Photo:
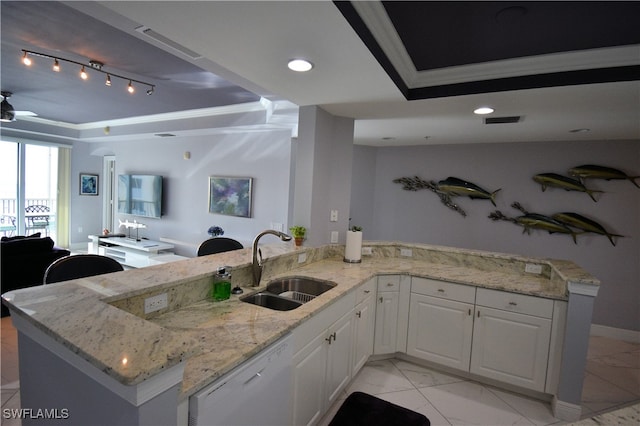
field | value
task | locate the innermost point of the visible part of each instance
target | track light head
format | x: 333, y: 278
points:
x: 130, y: 87
x: 26, y: 59
x: 56, y: 65
x: 83, y: 74
x: 150, y: 91
x: 108, y: 82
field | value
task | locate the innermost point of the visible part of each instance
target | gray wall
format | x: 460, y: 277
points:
x: 396, y: 214
x: 264, y: 156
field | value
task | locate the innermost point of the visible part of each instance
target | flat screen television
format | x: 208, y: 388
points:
x: 140, y: 195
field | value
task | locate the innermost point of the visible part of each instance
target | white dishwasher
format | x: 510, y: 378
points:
x: 257, y: 392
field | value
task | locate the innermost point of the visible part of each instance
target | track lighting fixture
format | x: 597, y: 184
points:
x: 93, y: 65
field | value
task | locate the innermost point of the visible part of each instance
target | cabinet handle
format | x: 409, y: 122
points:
x: 367, y: 291
x: 389, y: 284
x: 469, y: 311
x: 359, y: 314
x: 440, y: 290
x: 331, y: 336
x: 478, y: 314
x: 513, y: 304
x: 381, y: 299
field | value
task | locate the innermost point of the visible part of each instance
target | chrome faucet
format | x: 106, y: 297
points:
x: 256, y: 259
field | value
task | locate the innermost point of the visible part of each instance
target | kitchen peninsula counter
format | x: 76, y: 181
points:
x: 100, y: 319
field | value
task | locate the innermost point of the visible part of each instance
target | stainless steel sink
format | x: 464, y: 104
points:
x: 285, y: 294
x: 271, y: 301
x: 302, y: 285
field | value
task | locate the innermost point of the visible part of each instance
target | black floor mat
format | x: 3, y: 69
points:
x: 361, y: 409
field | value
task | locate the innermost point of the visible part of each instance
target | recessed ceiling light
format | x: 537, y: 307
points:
x: 299, y: 65
x: 483, y: 110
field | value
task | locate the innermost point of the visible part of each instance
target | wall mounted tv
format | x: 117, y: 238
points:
x: 140, y: 195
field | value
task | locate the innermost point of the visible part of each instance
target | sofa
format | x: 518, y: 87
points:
x: 24, y: 260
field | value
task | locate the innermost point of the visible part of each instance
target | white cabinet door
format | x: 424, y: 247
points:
x: 365, y: 322
x: 309, y: 371
x: 339, y: 344
x: 511, y: 347
x: 440, y: 330
x: 386, y: 322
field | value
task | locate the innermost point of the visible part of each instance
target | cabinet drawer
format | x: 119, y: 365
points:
x: 514, y: 302
x: 389, y: 283
x: 367, y: 289
x: 443, y: 289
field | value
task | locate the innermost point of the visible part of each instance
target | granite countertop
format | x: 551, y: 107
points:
x: 96, y: 317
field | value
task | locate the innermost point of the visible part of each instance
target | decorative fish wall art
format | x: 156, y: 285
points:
x: 590, y: 171
x: 416, y: 183
x: 585, y: 224
x: 556, y: 223
x: 535, y: 221
x: 447, y: 188
x: 563, y: 182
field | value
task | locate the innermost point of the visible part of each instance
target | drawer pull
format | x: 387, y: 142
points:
x: 331, y: 336
x: 367, y: 291
x: 513, y: 304
x: 440, y: 290
x: 389, y: 284
x: 478, y: 314
x: 359, y: 314
x: 469, y: 311
x: 381, y: 299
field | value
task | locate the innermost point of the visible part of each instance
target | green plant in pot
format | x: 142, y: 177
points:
x: 298, y: 232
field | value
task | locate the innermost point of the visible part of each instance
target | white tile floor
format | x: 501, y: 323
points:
x: 612, y: 380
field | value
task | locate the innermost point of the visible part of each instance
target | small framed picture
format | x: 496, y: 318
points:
x: 230, y: 195
x: 88, y: 184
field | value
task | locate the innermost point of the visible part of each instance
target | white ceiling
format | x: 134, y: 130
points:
x: 249, y: 44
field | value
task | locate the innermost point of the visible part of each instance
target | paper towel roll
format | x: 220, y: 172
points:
x: 353, y: 249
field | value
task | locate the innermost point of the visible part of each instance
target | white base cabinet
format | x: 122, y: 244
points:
x: 364, y: 324
x: 495, y: 334
x: 322, y: 365
x: 512, y: 346
x: 387, y: 305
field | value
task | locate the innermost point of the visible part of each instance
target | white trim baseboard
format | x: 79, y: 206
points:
x: 632, y: 336
x: 565, y: 411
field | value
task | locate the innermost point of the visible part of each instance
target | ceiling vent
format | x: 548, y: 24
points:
x: 168, y: 42
x: 502, y: 120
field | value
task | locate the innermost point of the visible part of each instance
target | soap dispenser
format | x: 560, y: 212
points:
x: 222, y: 284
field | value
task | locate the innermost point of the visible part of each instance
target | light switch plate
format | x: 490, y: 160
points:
x: 334, y: 237
x: 334, y: 216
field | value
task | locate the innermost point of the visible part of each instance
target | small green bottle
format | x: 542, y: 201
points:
x: 222, y: 284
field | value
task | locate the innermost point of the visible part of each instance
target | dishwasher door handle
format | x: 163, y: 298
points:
x: 252, y: 378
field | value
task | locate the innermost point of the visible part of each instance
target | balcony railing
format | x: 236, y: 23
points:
x: 9, y: 225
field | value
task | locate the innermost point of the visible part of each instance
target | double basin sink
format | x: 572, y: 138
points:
x: 288, y: 293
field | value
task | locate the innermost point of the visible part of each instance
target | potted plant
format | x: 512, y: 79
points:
x: 298, y: 232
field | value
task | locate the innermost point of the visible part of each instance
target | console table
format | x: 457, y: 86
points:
x: 132, y: 253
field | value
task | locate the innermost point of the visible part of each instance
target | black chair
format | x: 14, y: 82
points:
x: 218, y: 245
x: 80, y: 266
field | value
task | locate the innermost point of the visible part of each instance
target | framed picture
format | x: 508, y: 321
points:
x: 88, y: 184
x: 230, y: 196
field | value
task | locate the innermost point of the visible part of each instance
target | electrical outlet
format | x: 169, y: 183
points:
x: 302, y: 257
x: 155, y: 303
x: 334, y: 237
x: 276, y: 226
x: 366, y: 251
x: 334, y: 216
x: 532, y: 268
x: 406, y: 252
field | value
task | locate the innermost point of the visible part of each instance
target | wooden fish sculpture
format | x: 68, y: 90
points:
x: 454, y: 186
x: 537, y: 221
x: 563, y: 182
x: 590, y: 171
x: 576, y: 220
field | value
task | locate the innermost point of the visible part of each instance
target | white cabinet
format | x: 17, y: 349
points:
x: 511, y: 338
x: 500, y: 335
x: 364, y: 327
x: 387, y: 305
x: 322, y: 362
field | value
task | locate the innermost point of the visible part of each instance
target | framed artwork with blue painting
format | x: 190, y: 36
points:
x: 88, y: 184
x: 230, y: 196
